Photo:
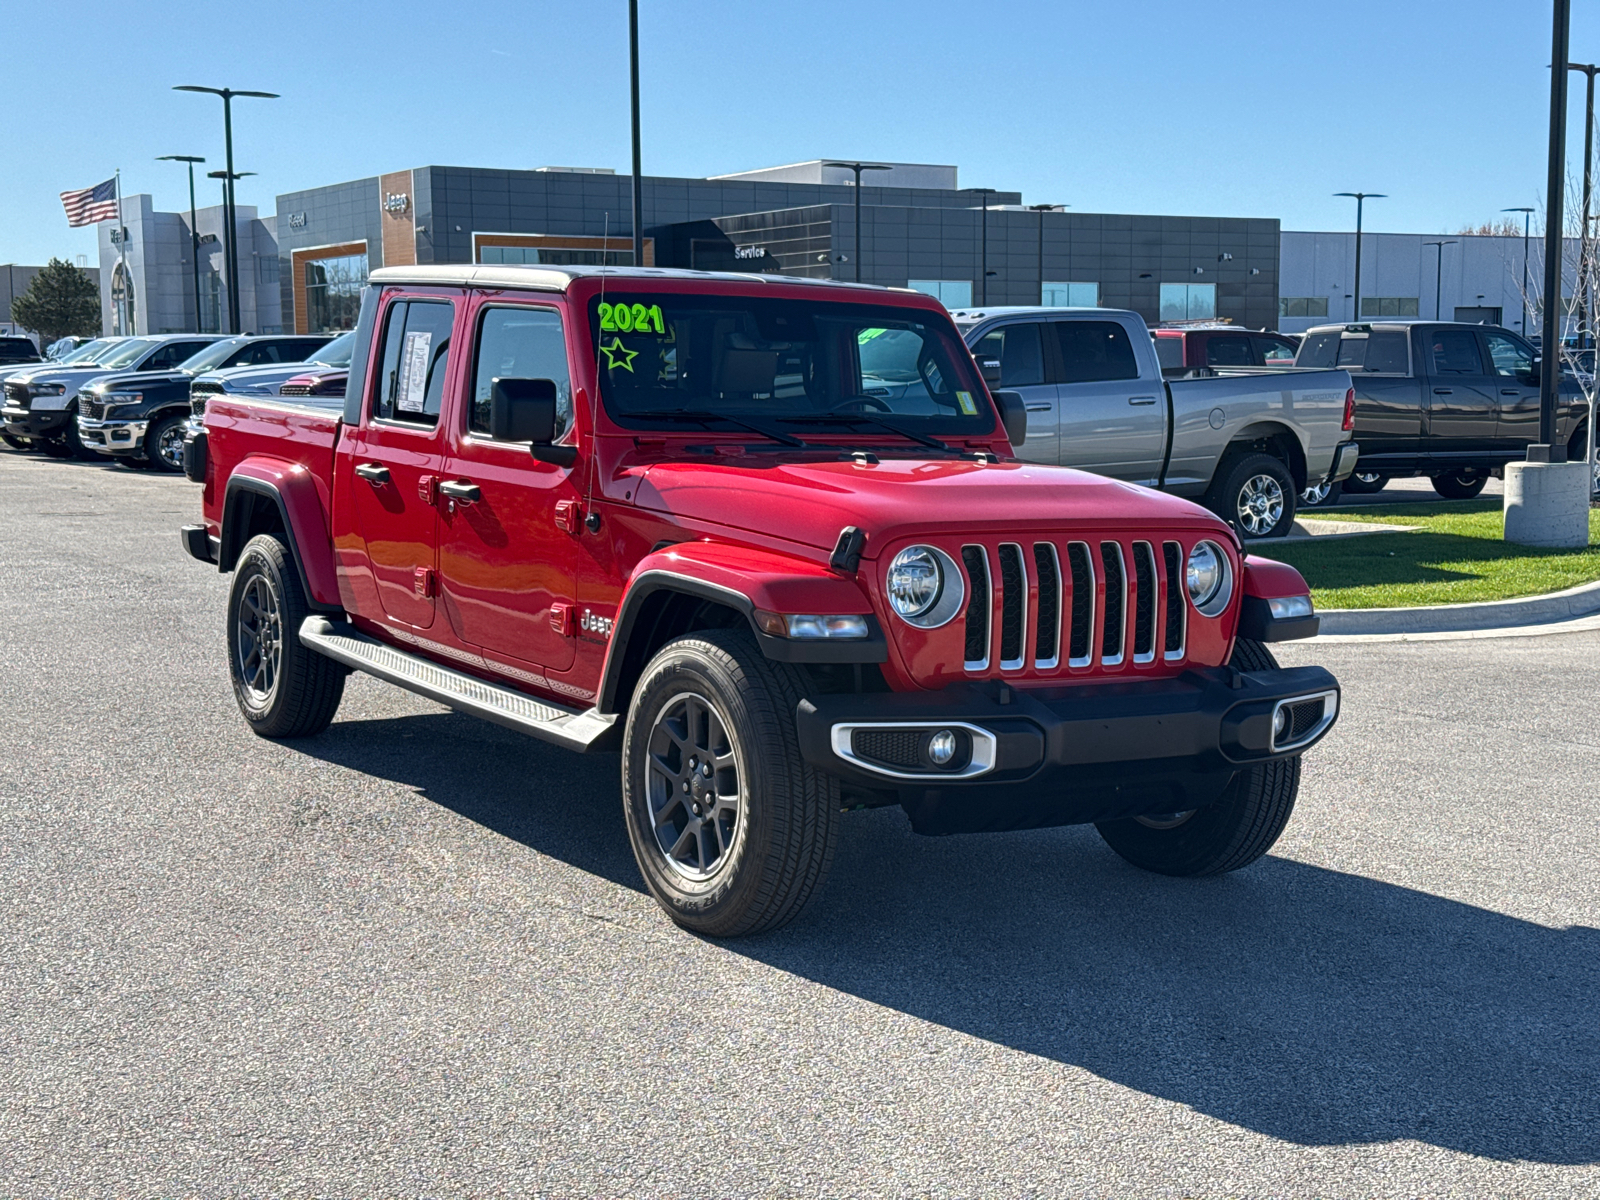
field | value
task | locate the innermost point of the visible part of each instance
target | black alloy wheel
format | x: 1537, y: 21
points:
x: 163, y: 443
x: 694, y: 789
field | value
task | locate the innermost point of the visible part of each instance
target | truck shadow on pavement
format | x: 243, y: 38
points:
x: 1309, y: 1005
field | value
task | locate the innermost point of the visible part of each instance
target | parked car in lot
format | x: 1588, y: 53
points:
x: 1449, y: 400
x: 139, y: 417
x: 768, y: 538
x: 261, y: 381
x: 1184, y: 351
x: 322, y: 381
x: 1243, y: 442
x: 41, y: 403
x: 17, y: 351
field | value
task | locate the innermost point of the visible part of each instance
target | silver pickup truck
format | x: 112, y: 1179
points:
x: 1245, y: 443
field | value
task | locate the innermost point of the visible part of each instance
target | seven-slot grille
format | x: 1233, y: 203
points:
x: 1093, y: 603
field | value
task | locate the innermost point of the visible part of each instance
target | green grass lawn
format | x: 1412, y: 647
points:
x: 1456, y: 557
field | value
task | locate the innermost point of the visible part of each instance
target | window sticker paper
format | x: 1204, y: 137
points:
x: 414, y: 372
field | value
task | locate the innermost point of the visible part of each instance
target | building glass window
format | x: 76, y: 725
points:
x: 1188, y: 301
x: 1302, y: 306
x: 550, y: 256
x: 124, y: 317
x: 333, y: 292
x: 1070, y: 295
x: 1388, y: 306
x: 952, y: 293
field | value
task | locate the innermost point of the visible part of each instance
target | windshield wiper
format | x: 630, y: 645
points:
x: 702, y: 417
x: 864, y: 419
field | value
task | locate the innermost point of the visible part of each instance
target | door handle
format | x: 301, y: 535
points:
x: 1510, y: 392
x: 374, y: 473
x: 1039, y: 407
x: 1444, y: 391
x: 1141, y: 399
x: 462, y: 493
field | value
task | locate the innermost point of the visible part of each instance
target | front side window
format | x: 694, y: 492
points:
x: 1455, y: 352
x: 1018, y: 350
x: 1095, y: 351
x: 785, y: 361
x: 416, y: 356
x: 1275, y: 353
x: 520, y: 343
x: 1512, y: 357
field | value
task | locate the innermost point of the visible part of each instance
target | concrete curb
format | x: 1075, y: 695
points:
x: 1580, y: 601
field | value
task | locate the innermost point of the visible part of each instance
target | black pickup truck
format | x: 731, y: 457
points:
x: 1449, y: 400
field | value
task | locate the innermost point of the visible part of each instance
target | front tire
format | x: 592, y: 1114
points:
x: 284, y: 689
x: 1224, y: 836
x: 732, y: 830
x: 16, y: 443
x: 74, y: 444
x: 1256, y: 495
x: 163, y: 444
x: 1460, y: 485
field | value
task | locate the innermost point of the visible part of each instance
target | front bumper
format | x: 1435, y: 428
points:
x: 1345, y: 455
x: 35, y: 422
x: 1066, y: 756
x: 112, y: 437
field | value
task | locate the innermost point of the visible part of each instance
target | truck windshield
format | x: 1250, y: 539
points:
x: 91, y: 352
x: 336, y: 353
x: 783, y: 361
x: 130, y: 352
x: 211, y: 356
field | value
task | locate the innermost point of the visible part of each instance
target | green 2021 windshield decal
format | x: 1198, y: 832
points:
x: 631, y: 318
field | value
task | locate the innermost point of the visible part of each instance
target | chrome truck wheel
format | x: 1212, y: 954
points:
x: 732, y: 830
x: 1254, y: 493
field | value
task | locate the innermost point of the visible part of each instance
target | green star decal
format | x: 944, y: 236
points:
x: 618, y: 355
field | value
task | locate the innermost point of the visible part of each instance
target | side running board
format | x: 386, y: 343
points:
x: 549, y: 722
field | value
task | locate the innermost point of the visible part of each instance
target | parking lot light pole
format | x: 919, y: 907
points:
x: 1527, y: 217
x: 638, y: 183
x: 228, y: 257
x: 1556, y: 165
x: 194, y: 234
x: 231, y: 247
x: 1360, y: 199
x: 859, y: 167
x: 1585, y: 303
x: 1041, y: 209
x: 983, y: 253
x: 1438, y: 272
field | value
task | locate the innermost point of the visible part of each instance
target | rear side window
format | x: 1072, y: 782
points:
x: 1386, y: 354
x: 520, y: 343
x: 416, y: 355
x: 1169, y: 351
x: 1094, y: 351
x: 1020, y: 353
x: 1455, y: 352
x: 1318, y: 350
x: 1229, y: 352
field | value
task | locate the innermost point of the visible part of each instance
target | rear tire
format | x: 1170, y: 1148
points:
x: 1227, y: 835
x: 732, y: 829
x: 284, y: 689
x: 1325, y: 496
x: 1256, y: 495
x: 17, y: 443
x: 1460, y: 485
x: 1365, y: 483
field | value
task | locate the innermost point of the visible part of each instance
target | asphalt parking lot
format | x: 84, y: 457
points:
x: 411, y: 956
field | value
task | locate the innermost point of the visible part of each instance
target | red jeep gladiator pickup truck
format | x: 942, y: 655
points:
x: 768, y: 538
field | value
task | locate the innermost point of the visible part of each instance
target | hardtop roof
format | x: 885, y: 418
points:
x: 559, y: 279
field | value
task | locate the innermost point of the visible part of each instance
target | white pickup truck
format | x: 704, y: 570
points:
x: 1245, y: 442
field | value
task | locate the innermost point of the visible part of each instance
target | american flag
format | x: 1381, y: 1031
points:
x: 88, y: 205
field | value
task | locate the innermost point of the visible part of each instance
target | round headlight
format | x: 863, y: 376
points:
x: 1206, y: 578
x: 915, y: 581
x: 925, y: 586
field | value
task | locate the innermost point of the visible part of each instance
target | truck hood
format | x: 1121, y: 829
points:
x: 72, y: 380
x: 262, y: 380
x: 109, y: 383
x: 810, y: 502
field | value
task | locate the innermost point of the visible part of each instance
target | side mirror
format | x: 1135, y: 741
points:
x: 990, y: 370
x: 524, y: 410
x: 1013, y: 415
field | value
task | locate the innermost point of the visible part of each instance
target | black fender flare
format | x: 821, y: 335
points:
x: 233, y: 533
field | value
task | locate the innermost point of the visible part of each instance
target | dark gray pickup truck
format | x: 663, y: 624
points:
x: 1449, y: 400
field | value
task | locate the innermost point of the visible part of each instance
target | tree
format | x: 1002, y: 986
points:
x: 1504, y: 227
x: 62, y: 301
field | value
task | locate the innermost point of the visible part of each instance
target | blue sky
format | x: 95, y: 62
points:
x: 1245, y: 109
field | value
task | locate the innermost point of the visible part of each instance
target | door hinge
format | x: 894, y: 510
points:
x: 563, y: 619
x: 425, y: 582
x: 568, y: 513
x: 427, y: 488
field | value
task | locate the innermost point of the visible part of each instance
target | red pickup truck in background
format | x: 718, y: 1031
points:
x: 1183, y: 349
x: 767, y: 536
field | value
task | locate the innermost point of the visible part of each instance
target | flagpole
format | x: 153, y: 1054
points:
x: 122, y: 260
